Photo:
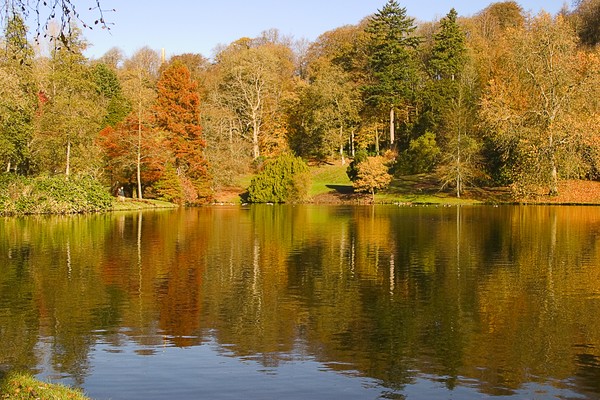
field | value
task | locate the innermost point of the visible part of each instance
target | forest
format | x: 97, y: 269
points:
x: 497, y: 99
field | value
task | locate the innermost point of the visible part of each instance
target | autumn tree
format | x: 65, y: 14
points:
x: 461, y: 160
x: 372, y: 175
x: 72, y: 116
x: 254, y: 76
x: 392, y: 64
x: 452, y: 98
x: 178, y: 118
x: 335, y: 70
x: 326, y: 113
x: 587, y: 21
x: 138, y: 77
x: 540, y: 111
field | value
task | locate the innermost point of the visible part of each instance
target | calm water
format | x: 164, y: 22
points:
x: 297, y: 302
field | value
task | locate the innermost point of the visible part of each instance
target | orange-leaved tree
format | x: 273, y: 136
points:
x: 178, y: 118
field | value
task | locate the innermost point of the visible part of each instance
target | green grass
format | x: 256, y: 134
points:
x: 420, y: 189
x: 413, y: 189
x: 134, y: 204
x: 17, y: 386
x: 326, y: 178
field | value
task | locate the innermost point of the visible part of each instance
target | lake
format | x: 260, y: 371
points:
x: 297, y: 302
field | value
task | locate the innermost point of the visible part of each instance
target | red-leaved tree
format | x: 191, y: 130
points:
x: 178, y: 118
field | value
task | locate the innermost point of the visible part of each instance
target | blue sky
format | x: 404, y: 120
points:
x: 182, y: 26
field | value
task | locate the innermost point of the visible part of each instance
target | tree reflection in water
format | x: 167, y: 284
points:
x: 501, y: 301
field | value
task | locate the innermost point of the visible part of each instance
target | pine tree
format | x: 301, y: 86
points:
x: 117, y: 106
x: 448, y: 53
x: 391, y: 45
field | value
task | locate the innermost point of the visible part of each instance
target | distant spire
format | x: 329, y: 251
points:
x: 162, y: 55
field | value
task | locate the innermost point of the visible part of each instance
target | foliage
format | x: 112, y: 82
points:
x: 177, y: 116
x: 17, y: 97
x: 372, y: 175
x: 71, y: 118
x: 539, y: 110
x: 390, y: 41
x: 52, y: 195
x: 422, y: 155
x: 448, y: 53
x: 352, y: 170
x: 326, y: 112
x: 170, y: 187
x: 253, y: 78
x: 107, y: 82
x: 282, y: 180
x: 139, y: 87
x: 392, y: 61
x: 587, y: 21
x: 516, y: 98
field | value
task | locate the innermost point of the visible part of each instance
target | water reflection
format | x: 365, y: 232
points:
x: 406, y: 301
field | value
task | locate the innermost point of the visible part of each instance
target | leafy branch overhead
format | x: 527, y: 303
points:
x: 65, y: 13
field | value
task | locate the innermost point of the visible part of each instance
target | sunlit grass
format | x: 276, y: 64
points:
x: 19, y: 386
x: 326, y: 177
x: 134, y: 204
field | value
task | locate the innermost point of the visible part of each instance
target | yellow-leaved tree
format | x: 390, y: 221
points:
x: 541, y: 107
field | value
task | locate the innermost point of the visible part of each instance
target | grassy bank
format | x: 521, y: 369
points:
x: 135, y: 204
x: 330, y: 185
x: 17, y: 386
x: 21, y: 195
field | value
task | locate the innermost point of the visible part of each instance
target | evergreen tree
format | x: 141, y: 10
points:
x: 117, y: 106
x: 18, y: 94
x: 445, y: 65
x: 283, y: 179
x: 391, y: 62
x: 449, y: 49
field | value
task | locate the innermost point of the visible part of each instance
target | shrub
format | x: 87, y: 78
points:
x: 352, y: 170
x: 372, y: 175
x: 421, y: 156
x: 282, y: 179
x: 52, y: 195
x: 169, y: 187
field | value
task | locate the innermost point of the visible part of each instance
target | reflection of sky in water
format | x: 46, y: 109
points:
x: 214, y: 371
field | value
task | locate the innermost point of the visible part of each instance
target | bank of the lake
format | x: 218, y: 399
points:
x: 331, y: 185
x: 18, y: 386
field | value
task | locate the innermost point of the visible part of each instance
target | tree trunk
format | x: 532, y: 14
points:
x: 342, y: 146
x: 553, y: 168
x: 255, y: 133
x: 392, y: 128
x: 139, y: 155
x: 8, y: 167
x: 377, y: 141
x: 68, y: 167
x: 554, y: 179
